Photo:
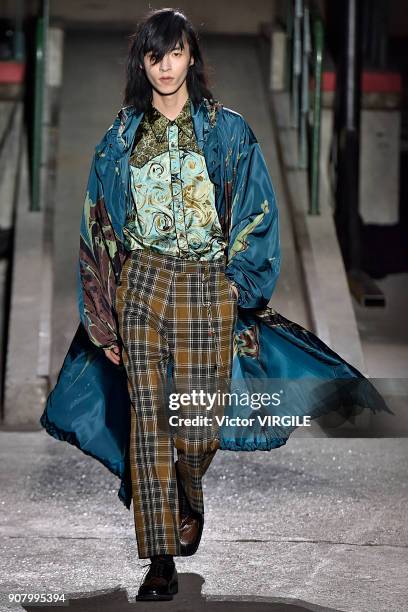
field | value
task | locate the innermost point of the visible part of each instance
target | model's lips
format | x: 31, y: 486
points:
x: 166, y: 79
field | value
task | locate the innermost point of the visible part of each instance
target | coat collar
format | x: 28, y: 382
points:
x: 158, y: 122
x: 120, y: 136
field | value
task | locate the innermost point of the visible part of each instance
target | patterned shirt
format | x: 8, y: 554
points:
x: 174, y: 209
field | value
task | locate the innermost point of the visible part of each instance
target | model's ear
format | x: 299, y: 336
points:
x: 191, y: 61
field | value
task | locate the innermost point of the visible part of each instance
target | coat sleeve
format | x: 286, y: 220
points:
x: 254, y: 244
x: 98, y: 252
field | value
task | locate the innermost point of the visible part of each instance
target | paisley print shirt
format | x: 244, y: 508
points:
x: 174, y: 209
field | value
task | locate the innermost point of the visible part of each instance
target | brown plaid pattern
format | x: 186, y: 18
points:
x: 180, y: 314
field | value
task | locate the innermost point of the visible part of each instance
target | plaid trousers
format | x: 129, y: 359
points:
x: 176, y: 319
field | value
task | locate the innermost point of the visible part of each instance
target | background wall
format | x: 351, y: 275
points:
x: 238, y: 16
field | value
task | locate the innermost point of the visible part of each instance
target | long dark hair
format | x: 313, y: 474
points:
x: 158, y: 33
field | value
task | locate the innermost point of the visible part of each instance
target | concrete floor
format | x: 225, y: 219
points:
x: 319, y: 521
x: 316, y: 525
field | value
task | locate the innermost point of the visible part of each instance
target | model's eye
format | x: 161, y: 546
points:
x: 152, y: 59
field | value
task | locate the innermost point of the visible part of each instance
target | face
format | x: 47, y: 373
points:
x: 167, y: 75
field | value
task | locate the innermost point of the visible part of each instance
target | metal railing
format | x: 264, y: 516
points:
x: 305, y: 34
x: 40, y: 66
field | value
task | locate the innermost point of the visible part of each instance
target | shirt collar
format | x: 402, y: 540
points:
x: 159, y: 122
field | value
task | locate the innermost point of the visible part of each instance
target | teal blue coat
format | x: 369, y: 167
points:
x: 90, y: 406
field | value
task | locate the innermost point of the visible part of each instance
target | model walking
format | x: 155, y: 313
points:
x: 179, y: 257
x: 174, y: 302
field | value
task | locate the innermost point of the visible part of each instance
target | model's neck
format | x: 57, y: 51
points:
x: 170, y: 105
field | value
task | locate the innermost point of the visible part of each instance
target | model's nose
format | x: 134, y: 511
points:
x: 165, y: 64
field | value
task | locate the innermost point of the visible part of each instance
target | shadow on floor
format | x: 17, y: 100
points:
x: 188, y: 598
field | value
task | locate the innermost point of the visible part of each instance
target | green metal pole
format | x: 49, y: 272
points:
x: 304, y: 98
x: 296, y: 64
x: 317, y: 109
x: 41, y: 40
x: 289, y: 45
x: 38, y: 111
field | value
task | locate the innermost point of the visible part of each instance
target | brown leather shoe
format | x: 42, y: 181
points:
x: 160, y: 582
x: 190, y: 531
x: 191, y: 523
x: 189, y: 528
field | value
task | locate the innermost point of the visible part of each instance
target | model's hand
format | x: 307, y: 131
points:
x: 235, y: 290
x: 113, y: 354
